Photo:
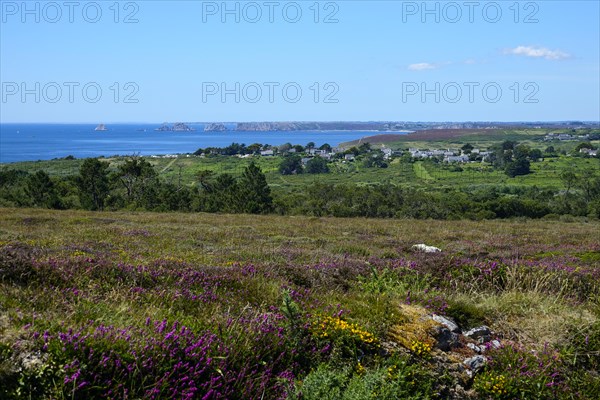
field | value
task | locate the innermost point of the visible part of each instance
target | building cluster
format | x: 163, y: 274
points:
x: 589, y: 152
x: 565, y: 137
x: 448, y: 155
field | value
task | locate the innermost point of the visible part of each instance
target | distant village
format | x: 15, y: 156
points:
x: 350, y: 154
x: 565, y: 137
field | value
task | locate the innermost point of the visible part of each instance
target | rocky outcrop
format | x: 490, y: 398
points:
x: 452, y: 353
x: 215, y: 127
x: 178, y: 127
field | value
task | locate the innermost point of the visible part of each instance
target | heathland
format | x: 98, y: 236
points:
x: 155, y: 305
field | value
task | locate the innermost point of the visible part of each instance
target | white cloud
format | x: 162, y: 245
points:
x: 421, y: 66
x: 538, y: 52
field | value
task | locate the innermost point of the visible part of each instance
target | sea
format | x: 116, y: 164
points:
x: 32, y: 142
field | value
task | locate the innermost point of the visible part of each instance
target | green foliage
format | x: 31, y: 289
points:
x: 584, y: 145
x: 317, y: 165
x: 397, y: 379
x: 291, y: 165
x: 466, y: 314
x: 520, y: 166
x: 42, y: 191
x: 140, y: 181
x: 582, y: 351
x: 93, y: 184
x: 254, y: 192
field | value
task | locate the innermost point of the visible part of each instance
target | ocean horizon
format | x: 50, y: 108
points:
x: 46, y: 141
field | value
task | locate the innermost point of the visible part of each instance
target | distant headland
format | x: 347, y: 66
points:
x: 383, y: 126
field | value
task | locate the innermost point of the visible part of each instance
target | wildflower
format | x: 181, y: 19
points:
x: 421, y: 349
x: 360, y: 370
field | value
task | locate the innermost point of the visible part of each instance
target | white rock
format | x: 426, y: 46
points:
x: 448, y: 323
x: 474, y: 347
x: 479, y: 332
x: 424, y: 248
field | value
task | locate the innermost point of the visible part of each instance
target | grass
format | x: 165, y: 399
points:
x: 280, y: 306
x: 421, y: 172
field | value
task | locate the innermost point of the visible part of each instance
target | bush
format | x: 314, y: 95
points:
x: 397, y: 379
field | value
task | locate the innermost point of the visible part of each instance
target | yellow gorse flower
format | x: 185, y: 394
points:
x: 497, y: 384
x: 420, y: 348
x: 328, y: 325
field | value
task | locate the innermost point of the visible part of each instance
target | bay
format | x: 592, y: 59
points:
x: 31, y: 142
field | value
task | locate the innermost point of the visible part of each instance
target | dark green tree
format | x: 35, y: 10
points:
x: 93, y: 184
x: 140, y: 181
x: 467, y: 148
x: 519, y: 166
x: 535, y: 154
x: 326, y: 147
x: 317, y: 165
x: 254, y: 192
x: 568, y: 178
x: 42, y: 191
x: 204, y: 178
x: 291, y: 165
x: 375, y: 160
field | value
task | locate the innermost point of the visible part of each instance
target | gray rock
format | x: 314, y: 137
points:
x: 482, y: 334
x: 475, y: 348
x: 448, y: 323
x: 446, y: 340
x: 475, y: 363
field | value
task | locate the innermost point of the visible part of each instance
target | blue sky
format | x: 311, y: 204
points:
x: 381, y: 60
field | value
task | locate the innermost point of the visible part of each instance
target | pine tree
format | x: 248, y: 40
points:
x: 254, y: 192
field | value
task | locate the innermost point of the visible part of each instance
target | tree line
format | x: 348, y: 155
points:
x: 135, y: 185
